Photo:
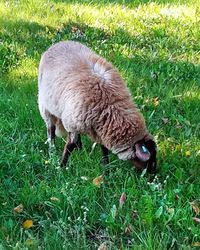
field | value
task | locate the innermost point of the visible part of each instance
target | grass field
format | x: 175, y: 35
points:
x: 156, y: 47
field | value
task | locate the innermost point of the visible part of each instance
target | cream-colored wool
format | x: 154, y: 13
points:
x: 81, y: 92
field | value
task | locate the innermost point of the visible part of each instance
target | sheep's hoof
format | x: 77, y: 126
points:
x: 63, y: 163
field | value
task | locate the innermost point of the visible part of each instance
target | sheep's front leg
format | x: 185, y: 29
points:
x: 73, y: 141
x: 105, y: 159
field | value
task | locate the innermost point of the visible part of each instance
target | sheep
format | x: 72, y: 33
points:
x: 81, y: 93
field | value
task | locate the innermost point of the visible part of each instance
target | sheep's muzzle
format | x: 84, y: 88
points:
x: 145, y: 154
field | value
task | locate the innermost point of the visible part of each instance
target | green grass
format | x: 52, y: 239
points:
x: 156, y: 47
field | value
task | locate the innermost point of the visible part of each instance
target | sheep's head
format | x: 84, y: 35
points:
x: 145, y: 154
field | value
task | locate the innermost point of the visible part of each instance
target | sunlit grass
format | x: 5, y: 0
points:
x: 155, y: 46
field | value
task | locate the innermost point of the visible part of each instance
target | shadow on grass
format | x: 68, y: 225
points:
x: 22, y: 39
x: 149, y: 74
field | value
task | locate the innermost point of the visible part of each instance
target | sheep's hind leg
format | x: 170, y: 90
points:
x: 73, y: 142
x: 51, y: 128
x: 50, y: 121
x: 51, y: 135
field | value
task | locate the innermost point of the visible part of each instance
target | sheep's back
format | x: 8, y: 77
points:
x: 75, y: 85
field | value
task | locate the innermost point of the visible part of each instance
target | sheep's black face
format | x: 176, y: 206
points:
x: 145, y: 154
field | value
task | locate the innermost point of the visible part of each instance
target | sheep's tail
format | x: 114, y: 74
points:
x: 101, y: 67
x: 60, y: 130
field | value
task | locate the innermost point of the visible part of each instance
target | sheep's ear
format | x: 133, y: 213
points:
x: 142, y: 152
x: 151, y: 146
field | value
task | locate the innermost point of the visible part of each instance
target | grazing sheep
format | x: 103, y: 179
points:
x: 81, y: 93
